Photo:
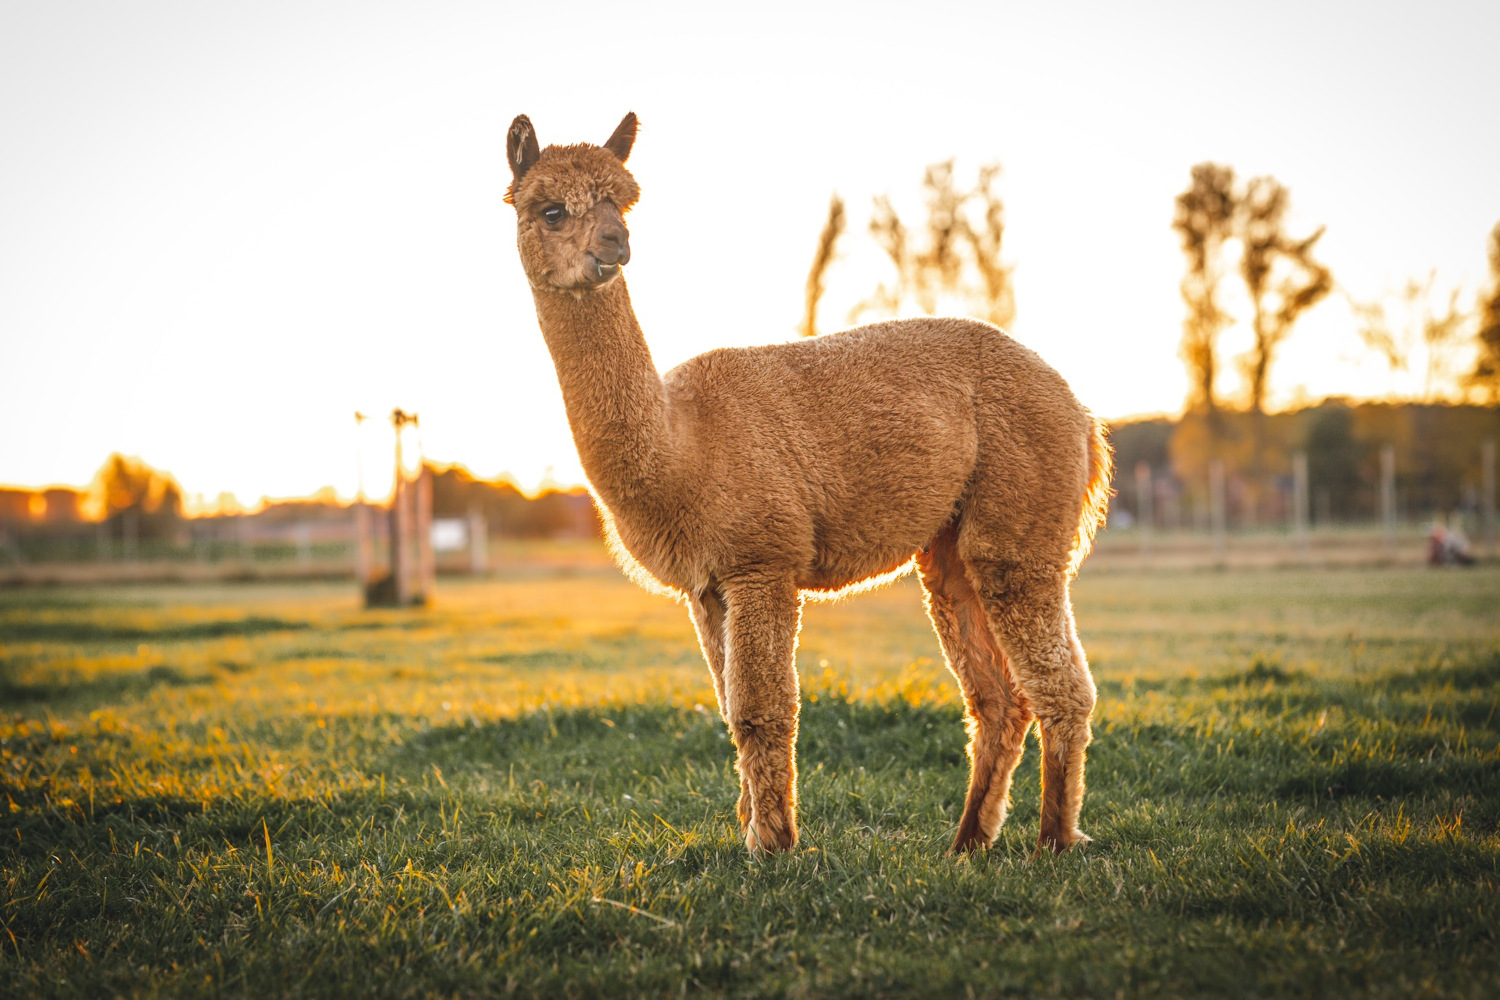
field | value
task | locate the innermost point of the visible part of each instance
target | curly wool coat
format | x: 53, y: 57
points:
x: 745, y: 478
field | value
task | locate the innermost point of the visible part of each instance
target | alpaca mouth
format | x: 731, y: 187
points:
x: 603, y: 272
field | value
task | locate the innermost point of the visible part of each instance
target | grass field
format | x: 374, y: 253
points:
x: 264, y: 790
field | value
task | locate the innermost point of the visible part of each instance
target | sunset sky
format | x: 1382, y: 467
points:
x: 226, y: 227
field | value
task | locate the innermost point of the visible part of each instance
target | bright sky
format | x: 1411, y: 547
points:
x: 226, y: 227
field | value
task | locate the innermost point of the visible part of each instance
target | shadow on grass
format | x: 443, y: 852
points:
x: 86, y: 631
x: 72, y: 691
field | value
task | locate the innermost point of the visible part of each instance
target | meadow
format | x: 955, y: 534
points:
x: 263, y: 789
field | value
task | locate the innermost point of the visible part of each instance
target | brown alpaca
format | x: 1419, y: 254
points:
x: 746, y: 478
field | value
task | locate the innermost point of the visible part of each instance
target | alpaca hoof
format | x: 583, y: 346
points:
x: 968, y: 844
x: 762, y: 837
x: 1057, y: 843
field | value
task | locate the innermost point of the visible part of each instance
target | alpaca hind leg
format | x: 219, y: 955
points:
x: 995, y: 712
x: 708, y: 613
x: 1033, y: 618
x: 760, y: 689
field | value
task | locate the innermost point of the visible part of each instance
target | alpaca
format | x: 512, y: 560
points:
x: 746, y: 479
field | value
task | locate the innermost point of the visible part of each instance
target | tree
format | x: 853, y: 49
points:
x: 1396, y: 328
x: 1281, y: 276
x: 1486, y: 373
x: 1204, y: 221
x: 958, y: 265
x: 827, y: 242
x: 125, y: 485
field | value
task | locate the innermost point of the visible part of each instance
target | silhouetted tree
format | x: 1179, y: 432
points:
x: 1397, y: 327
x: 1204, y: 221
x: 126, y: 485
x: 827, y: 242
x: 1486, y: 373
x: 959, y: 258
x: 1283, y: 279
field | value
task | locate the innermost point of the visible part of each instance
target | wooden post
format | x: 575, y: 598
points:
x: 400, y: 538
x: 1217, y: 515
x: 426, y: 564
x: 131, y: 524
x: 363, y: 556
x: 479, y: 541
x: 1388, y: 497
x: 101, y: 535
x: 1487, y: 479
x: 1300, y: 497
x: 1144, y: 516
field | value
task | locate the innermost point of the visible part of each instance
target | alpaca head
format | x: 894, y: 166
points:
x: 570, y: 207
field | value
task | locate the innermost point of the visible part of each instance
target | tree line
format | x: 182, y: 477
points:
x: 131, y: 499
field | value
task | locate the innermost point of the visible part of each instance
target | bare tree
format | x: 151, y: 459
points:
x: 828, y: 240
x: 986, y: 241
x: 1486, y: 373
x: 1283, y: 279
x: 957, y: 259
x: 1397, y: 328
x: 1204, y: 221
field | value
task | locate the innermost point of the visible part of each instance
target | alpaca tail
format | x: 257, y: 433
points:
x: 1095, y: 495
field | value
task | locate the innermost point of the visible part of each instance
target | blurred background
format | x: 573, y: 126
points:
x: 1261, y: 240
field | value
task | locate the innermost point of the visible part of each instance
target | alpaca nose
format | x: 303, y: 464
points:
x: 616, y: 241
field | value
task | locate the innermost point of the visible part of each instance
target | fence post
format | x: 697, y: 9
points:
x: 1144, y: 516
x: 363, y: 557
x: 426, y: 564
x: 1388, y: 497
x: 401, y: 535
x: 1487, y: 475
x: 1217, y: 515
x: 479, y: 540
x: 131, y: 526
x: 1300, y: 499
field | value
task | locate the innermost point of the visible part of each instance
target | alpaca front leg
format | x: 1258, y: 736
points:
x: 760, y: 688
x: 1063, y: 745
x: 709, y: 613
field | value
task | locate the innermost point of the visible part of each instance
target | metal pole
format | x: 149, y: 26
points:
x: 400, y: 522
x: 1388, y: 497
x: 1143, y: 512
x: 1300, y: 506
x: 363, y: 550
x: 132, y: 533
x: 479, y: 540
x: 426, y: 565
x: 362, y: 553
x: 1218, y: 517
x: 1487, y: 477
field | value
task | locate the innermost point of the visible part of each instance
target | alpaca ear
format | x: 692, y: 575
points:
x: 623, y: 138
x: 521, y: 149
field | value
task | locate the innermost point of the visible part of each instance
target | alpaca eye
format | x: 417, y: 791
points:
x: 554, y: 214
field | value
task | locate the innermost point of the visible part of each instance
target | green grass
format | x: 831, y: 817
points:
x: 1294, y: 790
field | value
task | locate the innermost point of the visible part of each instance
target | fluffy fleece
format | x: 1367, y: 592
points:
x: 746, y: 479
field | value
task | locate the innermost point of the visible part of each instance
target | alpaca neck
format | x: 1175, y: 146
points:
x: 617, y: 407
